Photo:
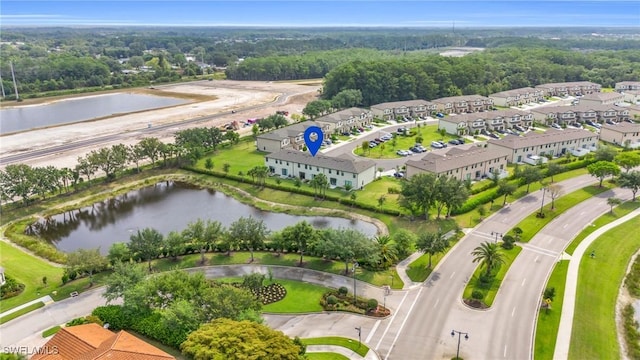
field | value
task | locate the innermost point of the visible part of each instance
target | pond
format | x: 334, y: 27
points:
x: 72, y: 110
x: 165, y: 207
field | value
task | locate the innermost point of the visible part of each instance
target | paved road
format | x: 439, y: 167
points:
x: 439, y: 308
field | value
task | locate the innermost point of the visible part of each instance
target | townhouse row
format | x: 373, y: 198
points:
x: 581, y: 113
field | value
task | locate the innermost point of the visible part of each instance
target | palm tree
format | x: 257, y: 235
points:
x: 489, y: 255
x: 321, y: 182
x: 387, y: 251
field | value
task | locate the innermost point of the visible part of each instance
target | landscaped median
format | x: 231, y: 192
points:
x: 481, y: 289
x: 353, y: 345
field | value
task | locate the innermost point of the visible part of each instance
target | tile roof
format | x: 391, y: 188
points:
x: 536, y: 139
x: 342, y: 163
x: 622, y: 127
x: 439, y: 161
x: 93, y: 342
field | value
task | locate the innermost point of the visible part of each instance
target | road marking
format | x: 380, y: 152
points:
x: 392, y: 318
x: 505, y: 351
x: 539, y: 250
x: 536, y: 259
x: 523, y: 281
x: 565, y: 226
x: 402, y: 325
x: 436, y: 304
x: 451, y: 277
x: 373, y: 331
x: 513, y: 312
x: 582, y: 213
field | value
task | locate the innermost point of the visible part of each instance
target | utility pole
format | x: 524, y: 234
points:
x: 15, y: 86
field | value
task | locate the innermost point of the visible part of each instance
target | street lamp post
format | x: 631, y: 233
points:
x: 391, y: 276
x: 359, y: 329
x: 355, y: 265
x: 544, y: 190
x: 496, y: 235
x: 466, y: 337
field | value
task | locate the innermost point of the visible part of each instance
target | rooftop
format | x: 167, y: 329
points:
x: 623, y: 127
x: 486, y: 115
x: 439, y: 161
x: 288, y: 131
x: 461, y: 98
x: 514, y: 92
x: 343, y: 115
x: 600, y: 96
x: 397, y: 104
x: 342, y: 163
x: 536, y: 139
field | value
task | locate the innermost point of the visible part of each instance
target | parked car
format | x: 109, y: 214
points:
x: 610, y: 122
x: 456, y: 141
x: 519, y: 128
x: 399, y: 174
x: 401, y: 130
x: 556, y: 126
x: 436, y: 144
x: 440, y: 115
x: 372, y: 144
x: 501, y: 131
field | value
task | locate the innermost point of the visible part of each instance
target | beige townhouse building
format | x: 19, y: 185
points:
x: 467, y: 162
x: 291, y: 136
x: 411, y: 108
x: 609, y: 98
x: 345, y: 120
x: 517, y: 97
x: 569, y: 88
x: 463, y: 104
x: 627, y: 85
x: 622, y: 134
x: 470, y: 124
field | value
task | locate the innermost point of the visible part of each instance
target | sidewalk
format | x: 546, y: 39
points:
x: 45, y: 299
x: 566, y: 319
x: 371, y: 355
x: 401, y: 269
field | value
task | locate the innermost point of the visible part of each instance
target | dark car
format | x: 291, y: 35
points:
x: 440, y: 115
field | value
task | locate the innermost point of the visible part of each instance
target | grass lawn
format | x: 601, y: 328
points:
x: 618, y: 212
x: 419, y: 269
x: 351, y: 344
x: 594, y: 327
x: 301, y: 297
x: 51, y: 331
x: 325, y: 356
x: 21, y: 312
x: 28, y: 270
x: 490, y: 293
x: 428, y: 133
x: 549, y: 321
x: 532, y: 224
x: 241, y: 157
x: 378, y: 278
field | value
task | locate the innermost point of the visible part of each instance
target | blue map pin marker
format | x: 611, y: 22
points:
x: 313, y: 139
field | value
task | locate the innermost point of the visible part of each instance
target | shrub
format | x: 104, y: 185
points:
x: 343, y: 290
x: 507, y: 242
x: 393, y: 190
x: 114, y: 316
x: 477, y: 295
x: 484, y: 280
x: 372, y: 304
x: 332, y: 300
x: 10, y: 288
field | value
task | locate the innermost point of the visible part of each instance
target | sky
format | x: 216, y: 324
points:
x: 425, y: 13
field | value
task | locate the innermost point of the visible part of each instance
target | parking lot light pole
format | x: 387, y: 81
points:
x: 359, y: 329
x: 496, y: 235
x: 466, y: 337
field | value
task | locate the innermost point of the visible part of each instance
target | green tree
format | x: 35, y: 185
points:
x: 506, y: 188
x: 613, y: 201
x: 118, y: 252
x: 602, y: 169
x: 489, y: 255
x: 249, y: 232
x: 255, y: 130
x: 554, y: 191
x: 146, y: 244
x: 125, y: 276
x: 417, y: 194
x: 346, y: 99
x: 85, y: 261
x: 364, y: 146
x: 554, y: 169
x: 347, y: 245
x: 299, y: 236
x: 605, y: 153
x: 387, y: 253
x: 630, y: 180
x: 431, y: 243
x: 529, y: 175
x: 319, y: 184
x: 404, y: 241
x: 174, y: 244
x: 381, y: 201
x: 238, y: 340
x: 627, y: 160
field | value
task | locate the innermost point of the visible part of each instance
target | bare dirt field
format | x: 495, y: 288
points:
x: 250, y: 99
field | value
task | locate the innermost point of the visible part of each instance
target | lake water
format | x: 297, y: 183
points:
x: 79, y: 109
x: 165, y: 206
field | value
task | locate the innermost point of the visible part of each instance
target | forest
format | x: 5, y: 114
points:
x: 68, y: 59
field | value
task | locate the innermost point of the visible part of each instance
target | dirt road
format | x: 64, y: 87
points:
x: 227, y: 95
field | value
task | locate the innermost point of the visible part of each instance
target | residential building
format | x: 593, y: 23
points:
x: 341, y: 170
x: 569, y: 88
x: 412, y: 108
x: 345, y: 120
x: 580, y: 113
x: 623, y: 134
x: 93, y: 342
x: 469, y: 124
x: 599, y: 98
x: 551, y: 142
x: 555, y: 114
x: 624, y: 86
x: 291, y: 136
x: 517, y: 97
x: 632, y: 96
x: 468, y: 162
x: 463, y: 104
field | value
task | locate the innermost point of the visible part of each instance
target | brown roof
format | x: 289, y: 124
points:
x: 486, y: 115
x: 397, y: 104
x: 600, y: 96
x: 622, y: 127
x: 93, y: 342
x: 342, y: 162
x: 439, y: 161
x: 569, y: 84
x: 514, y: 92
x: 343, y: 115
x: 536, y: 139
x: 467, y: 98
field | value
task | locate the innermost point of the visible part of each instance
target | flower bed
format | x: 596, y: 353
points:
x: 335, y: 300
x: 270, y: 293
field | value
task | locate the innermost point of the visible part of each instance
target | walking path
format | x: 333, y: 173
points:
x: 371, y: 355
x: 401, y: 269
x: 566, y: 319
x: 45, y: 299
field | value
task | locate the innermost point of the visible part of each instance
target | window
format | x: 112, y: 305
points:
x: 329, y: 171
x: 333, y: 181
x: 347, y: 183
x: 284, y: 172
x: 354, y: 176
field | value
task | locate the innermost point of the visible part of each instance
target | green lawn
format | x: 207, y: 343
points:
x: 241, y: 157
x: 419, y: 269
x: 351, y: 344
x: 490, y: 293
x: 301, y: 297
x: 21, y: 312
x: 377, y: 278
x: 325, y: 356
x: 428, y: 133
x: 618, y: 212
x: 549, y: 321
x: 28, y: 270
x: 51, y: 331
x: 532, y: 224
x: 594, y: 327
